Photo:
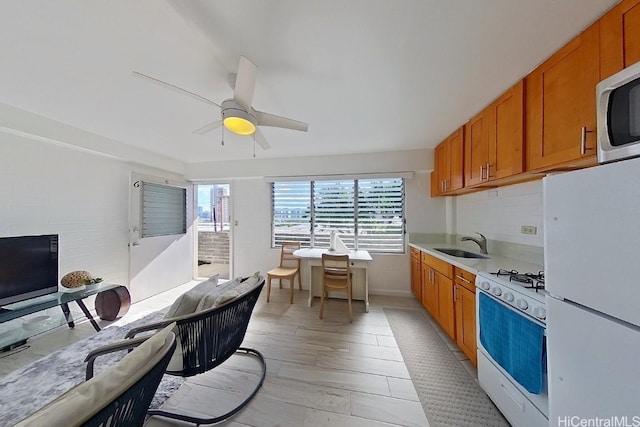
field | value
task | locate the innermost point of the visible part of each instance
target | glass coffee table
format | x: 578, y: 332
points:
x: 40, y: 324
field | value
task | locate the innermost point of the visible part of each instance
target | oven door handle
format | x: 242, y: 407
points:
x: 508, y: 392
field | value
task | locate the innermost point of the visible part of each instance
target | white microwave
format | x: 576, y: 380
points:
x: 618, y: 113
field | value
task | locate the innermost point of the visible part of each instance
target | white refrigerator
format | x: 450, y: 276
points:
x: 592, y: 274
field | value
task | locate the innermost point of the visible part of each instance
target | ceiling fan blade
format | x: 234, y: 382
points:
x: 174, y: 87
x: 266, y: 119
x: 208, y: 127
x: 261, y: 140
x: 245, y: 82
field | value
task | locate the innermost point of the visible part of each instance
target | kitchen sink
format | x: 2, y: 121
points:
x: 460, y: 253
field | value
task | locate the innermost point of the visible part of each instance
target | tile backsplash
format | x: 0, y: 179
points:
x: 500, y: 213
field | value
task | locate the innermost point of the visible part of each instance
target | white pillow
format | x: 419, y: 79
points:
x: 240, y: 288
x: 187, y: 303
x: 77, y: 405
x: 207, y: 300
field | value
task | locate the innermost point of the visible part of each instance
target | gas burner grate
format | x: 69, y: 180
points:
x: 528, y: 280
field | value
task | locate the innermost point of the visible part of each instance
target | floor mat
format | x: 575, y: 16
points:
x: 449, y: 395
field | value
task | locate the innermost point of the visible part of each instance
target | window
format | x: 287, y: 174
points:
x: 367, y: 214
x: 291, y: 203
x: 164, y: 210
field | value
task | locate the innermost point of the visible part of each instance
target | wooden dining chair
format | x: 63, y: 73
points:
x: 336, y: 276
x: 288, y: 269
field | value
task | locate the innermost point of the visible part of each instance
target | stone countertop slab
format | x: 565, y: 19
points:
x: 475, y: 265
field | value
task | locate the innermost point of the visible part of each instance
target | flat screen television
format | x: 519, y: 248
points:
x: 28, y: 267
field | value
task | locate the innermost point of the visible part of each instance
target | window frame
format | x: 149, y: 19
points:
x: 311, y: 236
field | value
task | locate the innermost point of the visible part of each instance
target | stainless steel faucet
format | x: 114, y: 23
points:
x: 482, y: 242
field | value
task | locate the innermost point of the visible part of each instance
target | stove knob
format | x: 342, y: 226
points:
x: 540, y: 313
x: 496, y: 291
x: 485, y: 285
x: 508, y: 297
x: 522, y: 304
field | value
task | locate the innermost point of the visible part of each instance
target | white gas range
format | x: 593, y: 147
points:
x: 523, y: 291
x: 511, y: 328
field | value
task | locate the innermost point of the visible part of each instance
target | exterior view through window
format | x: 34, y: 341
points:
x: 367, y: 214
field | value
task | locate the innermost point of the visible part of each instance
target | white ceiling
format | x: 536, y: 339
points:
x: 367, y: 75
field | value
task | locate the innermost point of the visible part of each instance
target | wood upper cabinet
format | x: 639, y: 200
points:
x: 435, y: 188
x: 465, y: 316
x: 476, y: 149
x: 560, y: 106
x: 443, y: 171
x: 456, y: 160
x: 416, y: 273
x: 506, y: 134
x: 620, y: 37
x: 448, y: 166
x: 495, y: 139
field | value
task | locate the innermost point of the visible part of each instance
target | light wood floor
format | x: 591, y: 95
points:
x: 319, y: 372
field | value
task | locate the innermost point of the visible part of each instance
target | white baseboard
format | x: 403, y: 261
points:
x: 390, y: 293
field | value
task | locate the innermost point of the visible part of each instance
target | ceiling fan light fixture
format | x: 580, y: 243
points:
x: 237, y: 119
x: 239, y: 125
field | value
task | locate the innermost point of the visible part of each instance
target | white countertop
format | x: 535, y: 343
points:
x: 474, y: 265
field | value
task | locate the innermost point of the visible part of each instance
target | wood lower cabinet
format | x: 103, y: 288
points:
x: 446, y: 305
x: 416, y: 273
x: 438, y: 292
x: 429, y: 290
x: 560, y: 106
x: 620, y: 37
x: 465, y: 315
x: 449, y: 295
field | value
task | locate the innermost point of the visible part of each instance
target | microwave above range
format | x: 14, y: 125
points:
x: 618, y: 112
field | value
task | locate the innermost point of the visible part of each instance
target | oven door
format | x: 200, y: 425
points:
x: 512, y: 347
x: 618, y: 113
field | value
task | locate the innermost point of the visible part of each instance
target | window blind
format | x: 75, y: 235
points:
x: 334, y: 210
x: 381, y: 215
x: 367, y: 214
x: 291, y: 203
x: 164, y: 210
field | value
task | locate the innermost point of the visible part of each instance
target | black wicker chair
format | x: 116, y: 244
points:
x: 207, y: 339
x: 122, y: 403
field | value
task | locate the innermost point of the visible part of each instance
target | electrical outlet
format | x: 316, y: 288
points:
x: 529, y: 229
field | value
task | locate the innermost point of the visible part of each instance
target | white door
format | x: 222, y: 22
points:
x: 159, y: 263
x: 592, y: 365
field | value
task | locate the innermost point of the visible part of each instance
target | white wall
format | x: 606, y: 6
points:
x: 49, y: 189
x: 500, y: 213
x: 388, y: 274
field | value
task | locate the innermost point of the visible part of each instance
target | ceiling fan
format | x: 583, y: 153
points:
x: 237, y: 114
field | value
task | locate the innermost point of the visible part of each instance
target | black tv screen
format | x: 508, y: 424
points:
x: 28, y: 267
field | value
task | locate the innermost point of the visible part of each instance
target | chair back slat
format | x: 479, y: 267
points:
x: 287, y: 259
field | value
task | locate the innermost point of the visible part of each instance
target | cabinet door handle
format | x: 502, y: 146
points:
x: 488, y: 170
x: 583, y: 140
x: 442, y: 186
x: 481, y: 173
x: 463, y: 279
x: 455, y: 293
